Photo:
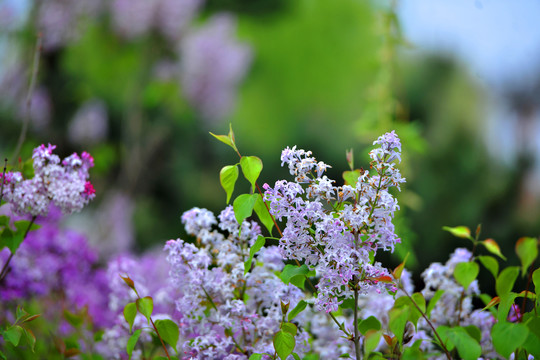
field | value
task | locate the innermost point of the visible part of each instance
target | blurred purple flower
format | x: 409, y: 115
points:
x: 90, y: 123
x: 212, y: 65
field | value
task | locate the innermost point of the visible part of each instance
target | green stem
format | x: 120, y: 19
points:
x: 5, y: 269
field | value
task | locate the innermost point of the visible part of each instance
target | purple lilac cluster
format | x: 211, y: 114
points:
x: 336, y: 229
x: 226, y: 314
x: 455, y: 305
x: 56, y: 266
x: 150, y: 275
x: 62, y: 183
x: 212, y: 64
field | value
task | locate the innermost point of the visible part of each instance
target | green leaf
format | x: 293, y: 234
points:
x: 22, y: 226
x: 75, y: 320
x: 30, y: 338
x: 243, y: 206
x: 261, y: 240
x: 371, y: 341
x: 262, y: 212
x: 227, y: 177
x: 474, y: 332
x: 4, y: 220
x: 290, y: 328
x: 527, y: 251
x: 505, y: 280
x: 10, y: 239
x: 296, y: 274
x: 13, y: 334
x: 295, y: 356
x: 468, y: 348
x: 434, y: 301
x: 536, y: 281
x: 505, y: 303
x: 398, y: 319
x: 145, y: 306
x: 371, y: 323
x: 532, y: 345
x: 351, y: 177
x: 284, y: 344
x: 130, y: 311
x: 255, y: 357
x: 169, y: 332
x: 507, y: 337
x: 466, y: 272
x: 297, y: 309
x: 490, y: 263
x: 493, y: 247
x: 459, y: 231
x: 132, y: 341
x: 251, y: 167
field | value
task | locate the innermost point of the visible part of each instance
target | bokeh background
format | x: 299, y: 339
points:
x: 140, y: 83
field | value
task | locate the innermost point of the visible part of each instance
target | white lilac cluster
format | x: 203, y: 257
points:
x: 338, y: 229
x: 62, y: 183
x: 224, y: 313
x: 455, y: 306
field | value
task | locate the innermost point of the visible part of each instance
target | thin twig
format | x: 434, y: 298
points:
x: 5, y: 269
x: 3, y: 180
x: 26, y: 118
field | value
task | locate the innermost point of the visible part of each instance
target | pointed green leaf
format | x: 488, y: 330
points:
x: 262, y: 212
x: 506, y: 279
x: 251, y: 167
x: 23, y: 226
x: 527, y: 251
x: 169, y: 332
x: 507, y: 337
x: 468, y: 348
x: 284, y: 344
x: 252, y: 251
x: 459, y: 231
x: 30, y: 338
x: 296, y: 274
x: 243, y: 206
x: 493, y: 247
x: 255, y: 357
x: 145, y: 306
x: 290, y: 328
x: 224, y: 139
x: 490, y: 263
x: 398, y: 319
x: 371, y: 341
x: 10, y: 239
x: 132, y: 341
x: 13, y: 334
x: 130, y: 311
x: 505, y: 303
x: 466, y: 272
x: 227, y: 177
x: 297, y: 309
x: 351, y: 177
x: 434, y: 301
x: 536, y: 281
x: 371, y: 323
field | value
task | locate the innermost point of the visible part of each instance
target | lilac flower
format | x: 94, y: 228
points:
x: 219, y: 305
x: 58, y: 264
x: 89, y: 125
x: 212, y: 65
x: 334, y: 229
x: 64, y: 184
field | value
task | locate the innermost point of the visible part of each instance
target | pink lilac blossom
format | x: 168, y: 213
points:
x: 64, y: 184
x: 212, y: 64
x: 338, y: 243
x: 220, y: 306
